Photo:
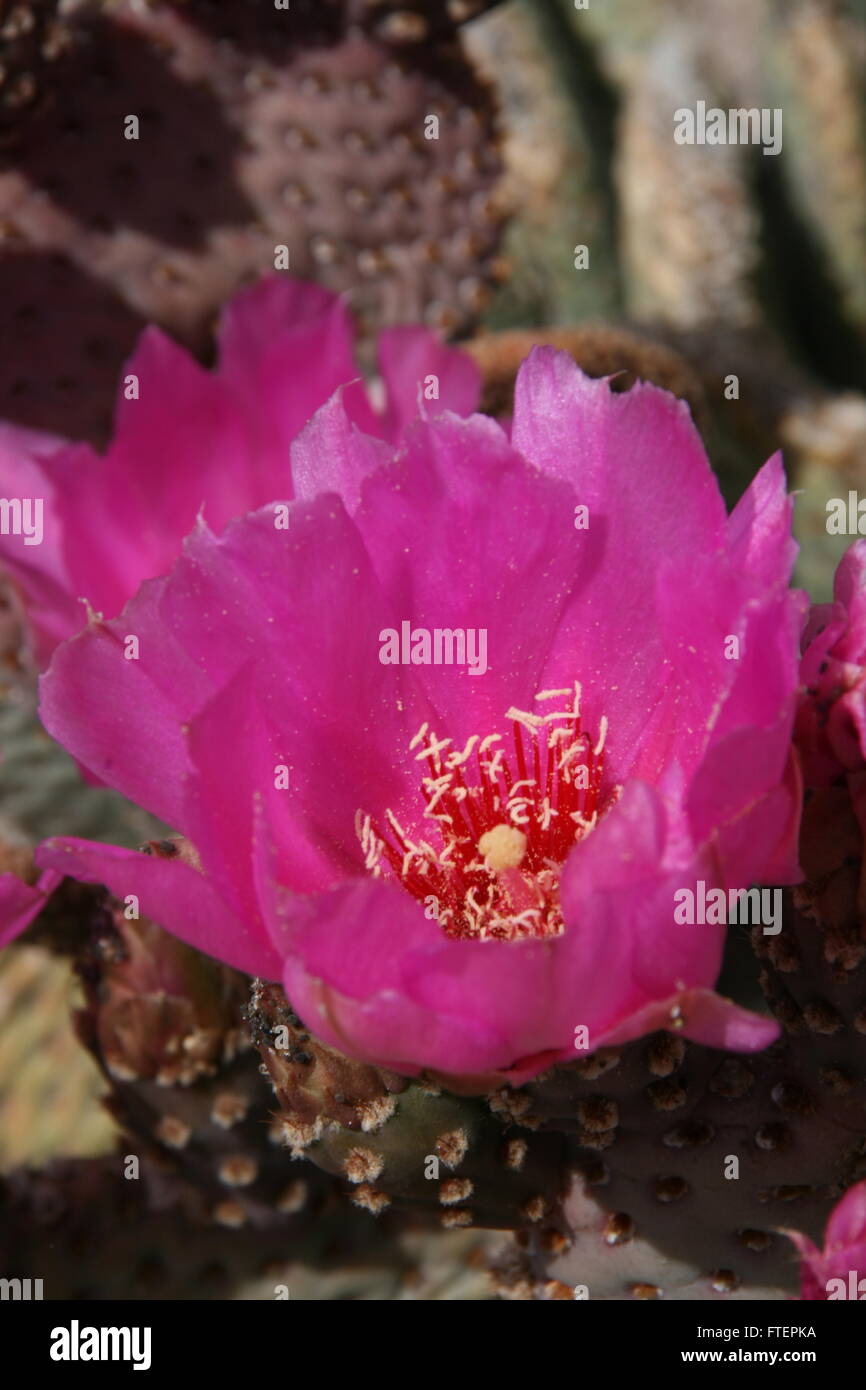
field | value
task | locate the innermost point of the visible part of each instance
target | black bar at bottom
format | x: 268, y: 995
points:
x: 225, y: 1339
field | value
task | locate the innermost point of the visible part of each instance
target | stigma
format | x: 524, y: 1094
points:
x: 503, y: 816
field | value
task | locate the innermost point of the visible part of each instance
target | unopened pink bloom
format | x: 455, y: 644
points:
x: 836, y: 1271
x: 831, y: 721
x: 190, y: 441
x: 448, y: 869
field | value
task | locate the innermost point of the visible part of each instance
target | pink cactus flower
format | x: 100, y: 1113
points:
x: 188, y: 440
x: 839, y: 1270
x: 443, y: 751
x: 831, y: 720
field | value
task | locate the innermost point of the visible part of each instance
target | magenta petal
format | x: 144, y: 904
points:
x: 278, y: 309
x: 311, y: 630
x: 807, y: 1248
x: 232, y: 742
x: 704, y: 1017
x: 20, y: 902
x: 636, y: 462
x: 229, y: 745
x: 717, y: 1022
x: 847, y: 1224
x: 635, y: 456
x: 19, y: 444
x: 759, y: 527
x: 625, y: 940
x: 760, y: 843
x: 464, y: 534
x: 172, y: 893
x: 839, y: 1270
x: 347, y: 981
x: 285, y: 347
x: 617, y: 907
x: 408, y: 357
x: 849, y: 590
x: 38, y: 571
x: 121, y: 718
x: 737, y: 776
x: 178, y: 447
x: 618, y: 893
x: 332, y: 455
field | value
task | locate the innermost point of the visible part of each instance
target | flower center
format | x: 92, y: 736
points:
x: 506, y: 819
